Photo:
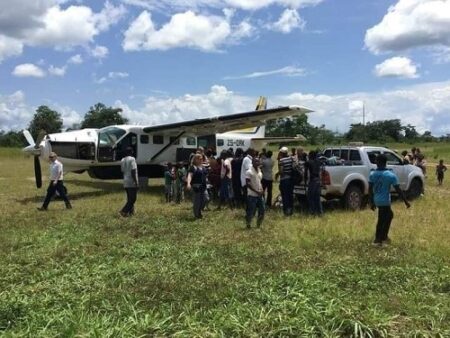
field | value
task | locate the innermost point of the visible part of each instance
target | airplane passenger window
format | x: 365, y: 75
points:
x: 144, y: 139
x: 158, y: 139
x: 190, y: 141
x: 220, y: 142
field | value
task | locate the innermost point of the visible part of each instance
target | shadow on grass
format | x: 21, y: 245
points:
x: 102, y: 188
x: 157, y: 190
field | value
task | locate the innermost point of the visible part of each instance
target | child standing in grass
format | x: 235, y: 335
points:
x: 440, y: 169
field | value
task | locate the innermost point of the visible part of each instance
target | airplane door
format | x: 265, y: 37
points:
x: 128, y: 141
x: 113, y: 142
x: 207, y: 141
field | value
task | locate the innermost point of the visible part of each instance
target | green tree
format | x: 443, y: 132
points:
x: 12, y: 139
x: 46, y: 120
x: 100, y: 116
x: 410, y: 132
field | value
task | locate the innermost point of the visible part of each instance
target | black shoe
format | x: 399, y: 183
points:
x: 69, y: 206
x: 42, y: 209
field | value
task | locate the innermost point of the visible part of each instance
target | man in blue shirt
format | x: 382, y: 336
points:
x: 380, y: 181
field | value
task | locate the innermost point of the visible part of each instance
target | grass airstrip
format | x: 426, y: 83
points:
x: 86, y: 272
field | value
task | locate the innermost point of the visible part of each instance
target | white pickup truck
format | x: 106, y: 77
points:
x: 345, y: 174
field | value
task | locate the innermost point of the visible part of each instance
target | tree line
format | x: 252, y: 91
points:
x: 50, y: 121
x: 383, y: 131
x: 98, y: 116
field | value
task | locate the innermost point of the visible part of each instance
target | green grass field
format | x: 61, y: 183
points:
x: 85, y: 272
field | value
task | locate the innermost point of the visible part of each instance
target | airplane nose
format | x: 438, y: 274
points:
x: 32, y: 150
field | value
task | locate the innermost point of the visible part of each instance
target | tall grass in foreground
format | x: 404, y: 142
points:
x: 86, y: 272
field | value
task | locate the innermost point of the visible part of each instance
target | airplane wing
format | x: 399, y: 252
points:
x: 222, y: 124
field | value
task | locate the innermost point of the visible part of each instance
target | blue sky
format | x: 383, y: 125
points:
x: 165, y: 61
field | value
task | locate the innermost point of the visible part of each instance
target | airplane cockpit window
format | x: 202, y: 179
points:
x: 109, y: 136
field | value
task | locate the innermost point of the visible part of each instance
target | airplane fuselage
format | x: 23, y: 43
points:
x: 99, y: 151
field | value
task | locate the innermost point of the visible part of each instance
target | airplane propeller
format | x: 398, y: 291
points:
x: 34, y: 149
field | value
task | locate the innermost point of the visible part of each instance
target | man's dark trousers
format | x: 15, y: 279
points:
x: 385, y: 216
x: 131, y: 199
x: 58, y: 187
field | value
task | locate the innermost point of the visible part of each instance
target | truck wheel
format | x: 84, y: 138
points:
x: 415, y: 189
x: 353, y: 198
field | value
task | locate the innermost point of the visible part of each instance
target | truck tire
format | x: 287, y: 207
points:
x: 415, y: 189
x: 353, y: 198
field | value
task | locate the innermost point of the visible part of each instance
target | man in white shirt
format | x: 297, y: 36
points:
x: 255, y: 193
x: 246, y: 165
x: 56, y: 183
x: 128, y: 166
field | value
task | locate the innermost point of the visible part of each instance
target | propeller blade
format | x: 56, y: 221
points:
x: 29, y: 138
x: 37, y: 172
x: 40, y: 137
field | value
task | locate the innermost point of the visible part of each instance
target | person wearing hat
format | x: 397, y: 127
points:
x: 56, y: 183
x: 285, y: 165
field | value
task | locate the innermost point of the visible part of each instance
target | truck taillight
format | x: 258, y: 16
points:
x: 325, y: 177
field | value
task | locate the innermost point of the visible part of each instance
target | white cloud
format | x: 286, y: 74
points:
x: 288, y: 21
x: 9, y: 47
x: 187, y: 29
x: 75, y: 59
x: 111, y: 75
x: 100, y: 52
x: 157, y: 110
x: 47, y: 23
x: 199, y: 4
x: 28, y: 70
x: 409, y: 24
x: 286, y: 71
x: 15, y: 113
x: 57, y: 71
x: 397, y: 67
x: 18, y: 17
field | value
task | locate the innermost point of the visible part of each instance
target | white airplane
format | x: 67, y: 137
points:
x: 99, y: 151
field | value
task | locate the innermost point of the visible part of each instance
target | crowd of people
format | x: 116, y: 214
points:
x: 238, y: 179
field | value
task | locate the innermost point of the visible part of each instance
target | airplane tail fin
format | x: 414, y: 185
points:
x: 262, y: 103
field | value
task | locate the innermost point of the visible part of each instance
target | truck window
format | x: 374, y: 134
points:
x: 393, y: 159
x: 373, y: 156
x: 344, y: 154
x: 355, y: 157
x: 327, y: 153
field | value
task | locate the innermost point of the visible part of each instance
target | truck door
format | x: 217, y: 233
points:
x: 395, y: 163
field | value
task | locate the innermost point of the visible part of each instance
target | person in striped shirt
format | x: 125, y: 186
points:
x: 285, y: 165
